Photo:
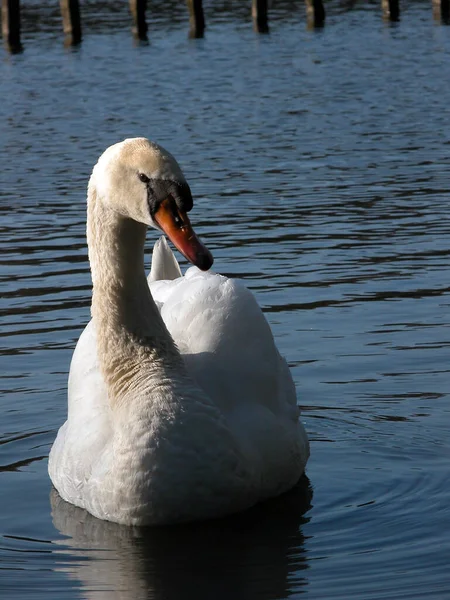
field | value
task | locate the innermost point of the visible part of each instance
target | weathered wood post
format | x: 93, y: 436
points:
x: 391, y: 9
x: 196, y: 19
x: 70, y: 11
x: 11, y: 25
x: 138, y: 8
x: 315, y: 14
x: 259, y: 15
x: 441, y: 11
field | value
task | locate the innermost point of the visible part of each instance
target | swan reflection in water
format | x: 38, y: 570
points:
x: 255, y: 554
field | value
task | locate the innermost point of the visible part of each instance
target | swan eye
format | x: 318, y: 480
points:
x: 143, y: 177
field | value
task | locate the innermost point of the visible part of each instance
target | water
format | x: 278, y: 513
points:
x: 320, y: 166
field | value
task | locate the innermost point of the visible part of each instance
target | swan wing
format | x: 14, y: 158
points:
x: 225, y: 340
x: 228, y: 348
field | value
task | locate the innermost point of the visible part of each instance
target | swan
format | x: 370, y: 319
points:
x: 180, y: 406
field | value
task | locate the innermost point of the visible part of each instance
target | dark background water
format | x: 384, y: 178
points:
x: 320, y: 166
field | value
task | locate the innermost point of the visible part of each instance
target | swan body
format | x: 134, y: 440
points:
x: 179, y: 405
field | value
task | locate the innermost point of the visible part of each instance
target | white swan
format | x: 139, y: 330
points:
x: 162, y: 432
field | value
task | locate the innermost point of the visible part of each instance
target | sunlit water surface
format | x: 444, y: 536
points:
x: 320, y: 167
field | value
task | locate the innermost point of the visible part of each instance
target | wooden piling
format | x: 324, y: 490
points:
x: 315, y: 14
x: 196, y: 19
x: 140, y: 28
x: 259, y: 15
x: 11, y: 25
x: 441, y: 11
x: 70, y: 11
x: 391, y: 10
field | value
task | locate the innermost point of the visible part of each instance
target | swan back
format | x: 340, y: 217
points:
x: 215, y: 319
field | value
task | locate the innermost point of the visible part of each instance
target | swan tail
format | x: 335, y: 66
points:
x: 164, y: 263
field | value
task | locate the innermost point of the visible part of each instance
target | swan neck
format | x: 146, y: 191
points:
x: 133, y: 343
x: 116, y: 249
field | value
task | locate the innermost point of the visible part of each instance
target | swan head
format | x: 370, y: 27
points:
x: 142, y: 181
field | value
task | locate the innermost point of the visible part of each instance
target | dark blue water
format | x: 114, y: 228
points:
x: 320, y: 166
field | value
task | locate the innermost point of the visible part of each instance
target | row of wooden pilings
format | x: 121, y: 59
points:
x: 70, y: 11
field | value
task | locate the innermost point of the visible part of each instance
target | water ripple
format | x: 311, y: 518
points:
x: 319, y: 167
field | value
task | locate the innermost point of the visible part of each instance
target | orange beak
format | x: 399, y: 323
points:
x: 176, y: 225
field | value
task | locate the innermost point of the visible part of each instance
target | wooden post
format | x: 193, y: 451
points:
x: 138, y: 8
x: 391, y: 10
x: 315, y: 14
x: 196, y: 19
x: 11, y: 25
x: 441, y: 11
x: 70, y: 11
x: 259, y: 14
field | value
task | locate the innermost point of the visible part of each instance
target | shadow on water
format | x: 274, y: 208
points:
x: 256, y: 554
